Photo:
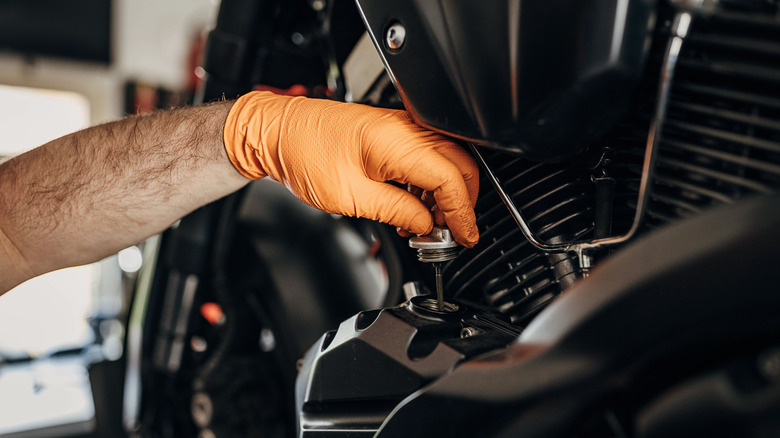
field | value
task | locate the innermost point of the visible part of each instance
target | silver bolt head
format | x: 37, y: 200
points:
x: 468, y: 332
x: 395, y: 37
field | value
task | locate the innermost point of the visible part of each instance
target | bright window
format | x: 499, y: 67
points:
x: 47, y: 312
x: 30, y: 117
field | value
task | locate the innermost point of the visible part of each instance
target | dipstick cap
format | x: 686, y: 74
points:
x: 438, y: 246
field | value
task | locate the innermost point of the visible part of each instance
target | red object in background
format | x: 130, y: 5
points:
x: 195, y: 72
x: 145, y: 99
x: 212, y: 313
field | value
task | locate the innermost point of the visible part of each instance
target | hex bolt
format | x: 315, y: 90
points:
x: 395, y: 37
x: 468, y: 332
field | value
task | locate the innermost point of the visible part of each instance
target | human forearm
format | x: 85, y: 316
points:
x: 88, y: 194
x: 91, y: 193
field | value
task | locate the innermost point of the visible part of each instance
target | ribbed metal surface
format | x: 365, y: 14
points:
x: 721, y: 142
x: 512, y: 275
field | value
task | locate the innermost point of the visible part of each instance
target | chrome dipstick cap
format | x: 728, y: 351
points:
x: 436, y: 247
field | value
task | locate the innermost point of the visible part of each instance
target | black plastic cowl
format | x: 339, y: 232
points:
x: 354, y: 377
x: 541, y: 78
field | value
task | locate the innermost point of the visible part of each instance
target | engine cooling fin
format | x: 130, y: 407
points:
x: 720, y: 143
x: 511, y: 273
x: 721, y: 139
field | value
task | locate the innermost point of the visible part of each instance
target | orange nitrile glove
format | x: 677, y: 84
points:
x: 338, y: 156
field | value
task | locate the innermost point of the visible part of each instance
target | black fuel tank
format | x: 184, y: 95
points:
x: 541, y: 78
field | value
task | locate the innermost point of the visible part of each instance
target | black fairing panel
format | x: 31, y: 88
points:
x: 544, y: 78
x: 716, y: 404
x: 696, y: 292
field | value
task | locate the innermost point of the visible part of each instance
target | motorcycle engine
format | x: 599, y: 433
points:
x: 720, y: 143
x: 480, y: 367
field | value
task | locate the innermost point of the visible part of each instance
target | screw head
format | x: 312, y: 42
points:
x: 395, y: 37
x: 468, y: 332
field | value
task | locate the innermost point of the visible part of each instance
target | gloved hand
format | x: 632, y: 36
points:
x: 338, y: 156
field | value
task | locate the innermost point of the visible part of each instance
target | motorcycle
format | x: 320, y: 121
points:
x: 623, y: 285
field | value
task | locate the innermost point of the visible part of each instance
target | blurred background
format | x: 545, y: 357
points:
x: 65, y: 66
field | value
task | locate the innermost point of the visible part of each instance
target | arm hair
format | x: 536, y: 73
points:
x: 89, y: 194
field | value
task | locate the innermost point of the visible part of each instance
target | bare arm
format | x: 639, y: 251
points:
x: 87, y: 195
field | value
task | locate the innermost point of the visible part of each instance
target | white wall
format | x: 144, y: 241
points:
x: 151, y: 41
x: 153, y: 37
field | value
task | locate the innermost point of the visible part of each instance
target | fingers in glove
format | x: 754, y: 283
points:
x: 420, y: 194
x: 469, y: 171
x: 428, y: 169
x: 393, y: 205
x: 466, y: 165
x: 403, y: 233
